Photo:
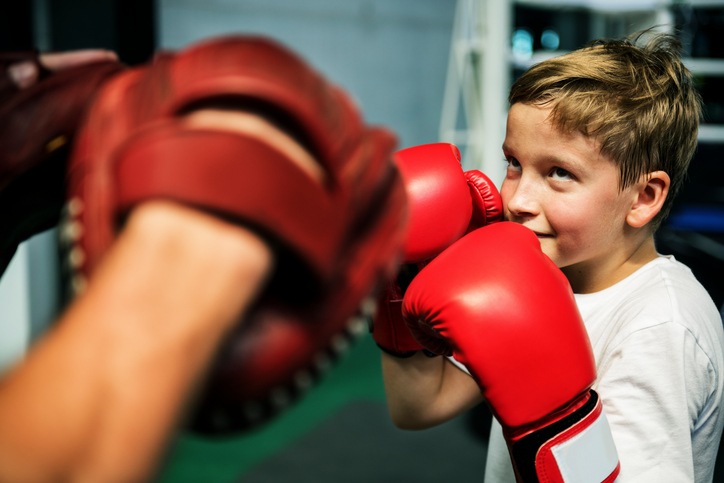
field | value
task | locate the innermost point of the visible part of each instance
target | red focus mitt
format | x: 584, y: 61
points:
x: 335, y: 241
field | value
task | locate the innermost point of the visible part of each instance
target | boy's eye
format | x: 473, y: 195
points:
x: 512, y: 163
x: 560, y: 174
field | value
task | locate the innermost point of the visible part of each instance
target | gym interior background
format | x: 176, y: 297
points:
x: 433, y: 70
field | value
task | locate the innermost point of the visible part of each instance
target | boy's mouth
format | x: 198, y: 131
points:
x: 537, y: 233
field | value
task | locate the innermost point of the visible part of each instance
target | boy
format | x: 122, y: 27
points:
x: 598, y: 142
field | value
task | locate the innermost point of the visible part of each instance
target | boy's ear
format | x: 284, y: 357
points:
x: 650, y: 195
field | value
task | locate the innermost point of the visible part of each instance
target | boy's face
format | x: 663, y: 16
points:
x: 560, y: 186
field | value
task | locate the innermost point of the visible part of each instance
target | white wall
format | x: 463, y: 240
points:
x: 390, y: 54
x: 29, y: 296
x: 14, y: 309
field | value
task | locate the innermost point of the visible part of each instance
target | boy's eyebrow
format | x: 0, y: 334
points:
x: 568, y: 162
x: 565, y: 161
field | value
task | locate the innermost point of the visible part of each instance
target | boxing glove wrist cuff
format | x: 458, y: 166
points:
x: 388, y: 328
x: 577, y: 448
x: 398, y: 354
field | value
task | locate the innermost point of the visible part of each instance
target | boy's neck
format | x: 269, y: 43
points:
x: 594, y: 276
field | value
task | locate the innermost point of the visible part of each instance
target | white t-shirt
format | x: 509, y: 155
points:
x: 659, y: 348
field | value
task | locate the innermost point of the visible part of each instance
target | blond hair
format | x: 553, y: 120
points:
x: 634, y: 96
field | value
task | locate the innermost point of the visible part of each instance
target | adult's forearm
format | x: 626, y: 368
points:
x: 102, y: 393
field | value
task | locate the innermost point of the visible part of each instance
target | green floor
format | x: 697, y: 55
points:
x: 339, y: 431
x: 356, y: 377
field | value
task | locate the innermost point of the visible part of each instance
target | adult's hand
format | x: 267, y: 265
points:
x: 25, y: 73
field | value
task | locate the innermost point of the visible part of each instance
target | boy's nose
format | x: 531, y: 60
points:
x: 522, y: 202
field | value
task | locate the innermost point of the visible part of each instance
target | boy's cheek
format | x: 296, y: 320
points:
x: 505, y: 197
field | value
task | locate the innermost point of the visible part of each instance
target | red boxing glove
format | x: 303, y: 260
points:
x: 444, y: 203
x: 497, y: 304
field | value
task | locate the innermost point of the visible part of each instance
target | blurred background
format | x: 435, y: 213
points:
x: 431, y: 70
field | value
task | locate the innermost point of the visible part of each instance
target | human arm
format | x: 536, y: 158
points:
x: 98, y: 397
x: 425, y: 391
